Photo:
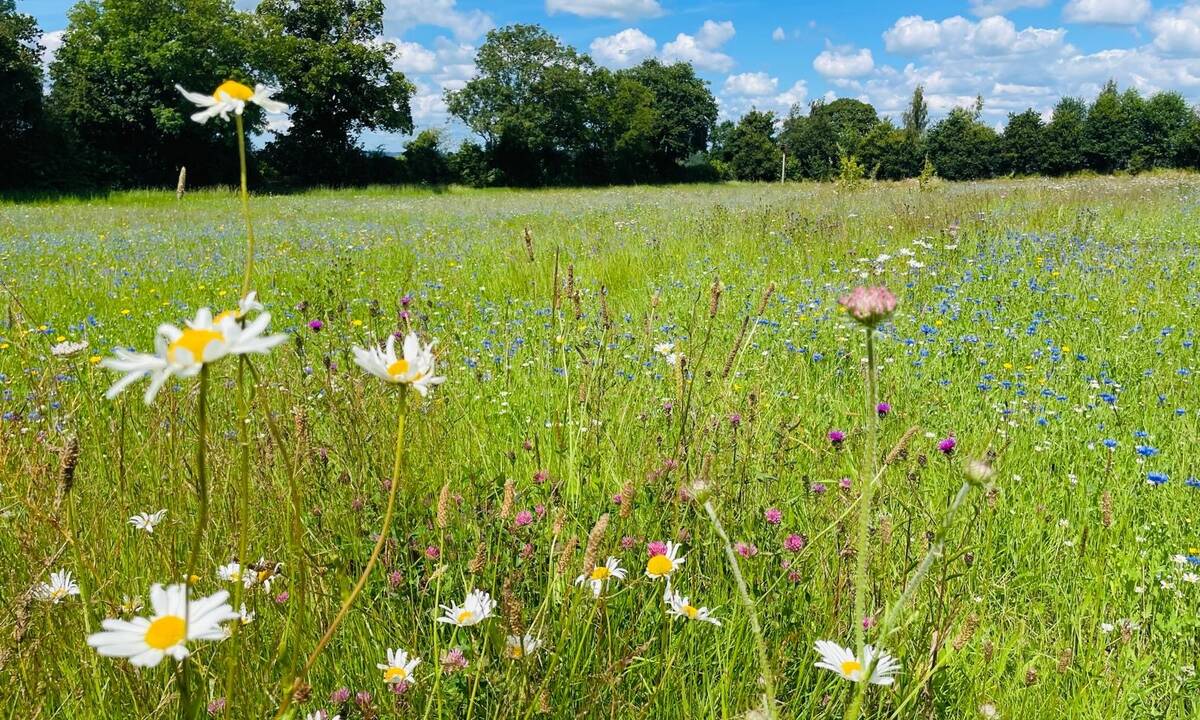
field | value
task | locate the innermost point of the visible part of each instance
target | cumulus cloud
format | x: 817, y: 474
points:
x: 751, y: 84
x: 778, y: 35
x: 401, y: 15
x: 50, y: 43
x: 1177, y: 32
x: 616, y: 9
x: 987, y: 8
x: 1106, y: 12
x: 628, y: 47
x: 702, y: 49
x: 995, y: 35
x: 414, y: 58
x: 843, y: 62
x: 745, y: 91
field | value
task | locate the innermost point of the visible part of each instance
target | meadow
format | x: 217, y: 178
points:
x: 617, y: 362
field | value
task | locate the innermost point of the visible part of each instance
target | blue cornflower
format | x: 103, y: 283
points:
x: 1146, y: 450
x: 1192, y: 482
x: 1156, y: 478
x: 1110, y: 443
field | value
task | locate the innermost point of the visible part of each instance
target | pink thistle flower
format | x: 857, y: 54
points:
x: 869, y: 305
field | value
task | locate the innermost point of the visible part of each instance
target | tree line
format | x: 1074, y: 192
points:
x: 540, y: 112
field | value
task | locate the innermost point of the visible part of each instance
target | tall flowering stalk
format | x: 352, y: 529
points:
x: 869, y: 306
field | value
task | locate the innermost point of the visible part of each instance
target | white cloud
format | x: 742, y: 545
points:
x: 702, y: 49
x: 755, y: 84
x: 50, y: 43
x: 616, y: 9
x: 987, y: 8
x: 1106, y: 12
x: 414, y: 58
x: 628, y: 47
x: 991, y: 36
x: 401, y: 15
x: 1177, y: 32
x: 778, y: 35
x: 843, y: 62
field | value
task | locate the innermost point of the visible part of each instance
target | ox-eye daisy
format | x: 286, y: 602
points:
x: 678, y: 606
x: 146, y: 641
x: 399, y: 667
x: 415, y: 367
x: 661, y: 564
x: 475, y: 609
x: 182, y: 353
x: 520, y: 646
x: 610, y: 570
x: 843, y: 662
x: 147, y: 521
x: 231, y: 96
x: 61, y: 586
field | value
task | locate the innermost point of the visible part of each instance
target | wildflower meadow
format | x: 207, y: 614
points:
x: 765, y: 451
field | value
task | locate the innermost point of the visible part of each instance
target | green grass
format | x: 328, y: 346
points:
x: 1035, y: 298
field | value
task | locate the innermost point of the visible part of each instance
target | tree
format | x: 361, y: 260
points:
x: 328, y: 58
x: 1065, y: 137
x: 424, y: 160
x: 1113, y: 129
x: 830, y: 130
x: 114, y: 88
x: 1023, y: 144
x: 626, y: 124
x: 962, y: 148
x: 890, y: 153
x: 21, y: 77
x: 469, y: 165
x: 752, y: 152
x: 685, y: 113
x: 1168, y: 121
x: 916, y: 117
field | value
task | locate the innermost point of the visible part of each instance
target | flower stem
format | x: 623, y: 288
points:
x: 243, y: 513
x: 190, y: 702
x: 241, y: 133
x: 362, y: 580
x: 864, y: 511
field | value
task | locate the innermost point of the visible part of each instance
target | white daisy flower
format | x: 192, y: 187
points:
x: 475, y: 609
x: 414, y: 368
x: 521, y: 646
x: 146, y: 641
x: 181, y: 353
x: 61, y: 586
x: 147, y: 521
x: 67, y: 348
x: 678, y: 606
x: 667, y: 350
x: 610, y: 570
x: 232, y: 96
x: 399, y: 667
x: 842, y: 661
x: 230, y: 572
x: 246, y: 617
x: 661, y: 565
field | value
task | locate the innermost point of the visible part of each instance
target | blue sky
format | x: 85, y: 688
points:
x: 771, y: 55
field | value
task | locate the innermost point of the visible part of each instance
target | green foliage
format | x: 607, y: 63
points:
x: 815, y: 141
x: 890, y: 153
x: 424, y: 160
x: 928, y: 177
x: 685, y: 112
x: 1113, y: 129
x: 851, y: 173
x: 326, y: 57
x: 916, y: 117
x: 963, y: 148
x: 21, y: 115
x: 1023, y: 144
x: 751, y: 150
x: 1065, y: 137
x: 469, y: 165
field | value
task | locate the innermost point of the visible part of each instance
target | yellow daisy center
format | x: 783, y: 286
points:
x: 165, y: 632
x: 690, y: 611
x: 464, y: 616
x: 58, y: 593
x: 194, y: 341
x: 516, y: 651
x: 395, y: 674
x: 849, y: 667
x: 233, y: 89
x: 659, y: 565
x: 400, y: 367
x: 601, y: 573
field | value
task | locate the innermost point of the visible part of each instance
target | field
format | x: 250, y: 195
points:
x: 1047, y: 326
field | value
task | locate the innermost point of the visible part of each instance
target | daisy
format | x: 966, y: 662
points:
x: 475, y: 609
x: 181, y: 353
x: 843, y: 662
x: 399, y: 667
x: 678, y: 606
x: 67, y: 348
x: 232, y: 96
x: 520, y: 646
x: 232, y: 572
x: 664, y: 562
x: 146, y: 641
x: 147, y: 521
x: 611, y: 569
x: 667, y: 350
x: 414, y: 368
x: 60, y: 586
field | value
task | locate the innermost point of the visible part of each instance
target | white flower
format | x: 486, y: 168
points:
x: 60, y: 586
x: 843, y: 662
x: 232, y: 572
x: 146, y: 641
x: 399, y: 667
x: 610, y: 570
x: 181, y: 353
x: 662, y: 565
x: 147, y: 521
x: 667, y: 350
x: 414, y: 368
x: 520, y: 646
x: 475, y: 609
x: 1106, y: 627
x: 67, y: 348
x: 678, y: 606
x: 246, y: 617
x: 232, y: 96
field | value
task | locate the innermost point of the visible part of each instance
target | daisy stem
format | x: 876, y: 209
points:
x: 764, y: 660
x: 189, y: 704
x: 243, y: 512
x: 362, y: 579
x: 864, y: 510
x: 241, y: 133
